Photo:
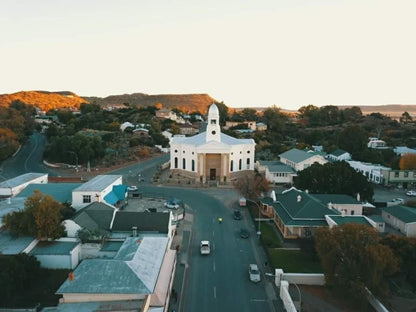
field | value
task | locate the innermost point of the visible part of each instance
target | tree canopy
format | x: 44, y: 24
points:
x: 334, y: 178
x: 353, y: 259
x: 40, y: 218
x: 251, y: 185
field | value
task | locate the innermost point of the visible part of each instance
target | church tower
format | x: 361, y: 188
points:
x: 213, y: 128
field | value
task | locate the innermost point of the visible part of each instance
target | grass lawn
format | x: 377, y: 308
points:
x: 268, y: 237
x: 293, y: 261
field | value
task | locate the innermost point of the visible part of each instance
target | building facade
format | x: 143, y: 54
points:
x: 211, y: 155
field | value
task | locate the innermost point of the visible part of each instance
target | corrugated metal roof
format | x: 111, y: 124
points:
x: 144, y: 221
x: 295, y: 155
x: 403, y: 213
x: 340, y: 220
x: 61, y: 192
x: 95, y: 216
x: 53, y: 248
x: 19, y: 180
x: 98, y: 183
x: 338, y: 152
x: 10, y: 245
x: 134, y: 270
x: 336, y: 199
x: 103, y: 306
x: 277, y: 166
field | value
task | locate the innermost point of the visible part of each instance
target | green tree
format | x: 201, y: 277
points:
x: 249, y: 114
x: 334, y: 178
x: 353, y: 139
x: 40, y: 218
x: 223, y: 110
x: 406, y: 118
x: 353, y: 259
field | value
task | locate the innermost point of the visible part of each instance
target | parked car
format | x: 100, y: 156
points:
x: 132, y: 188
x: 244, y: 233
x: 205, y: 247
x: 411, y: 193
x: 398, y: 200
x: 237, y: 215
x: 254, y: 273
x: 172, y: 203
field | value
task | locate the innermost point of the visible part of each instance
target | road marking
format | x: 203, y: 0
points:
x: 213, y: 233
x: 258, y: 300
x: 215, y: 292
x: 214, y: 266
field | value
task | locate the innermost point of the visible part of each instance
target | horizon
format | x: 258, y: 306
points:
x: 272, y: 52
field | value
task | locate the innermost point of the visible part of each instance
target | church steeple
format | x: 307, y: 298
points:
x: 213, y: 128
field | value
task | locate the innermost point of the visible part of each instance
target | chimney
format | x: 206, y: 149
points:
x: 273, y: 196
x: 358, y: 196
x: 329, y: 205
x: 71, y: 276
x: 343, y: 212
x: 134, y: 231
x: 299, y: 198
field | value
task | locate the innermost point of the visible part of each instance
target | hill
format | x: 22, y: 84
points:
x: 392, y: 110
x: 43, y: 99
x: 185, y: 102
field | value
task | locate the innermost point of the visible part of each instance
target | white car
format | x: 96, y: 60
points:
x: 172, y: 203
x: 398, y: 200
x: 411, y: 193
x: 254, y: 273
x: 205, y: 247
x: 132, y: 188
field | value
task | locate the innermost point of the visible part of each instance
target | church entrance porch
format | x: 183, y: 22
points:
x: 212, y: 174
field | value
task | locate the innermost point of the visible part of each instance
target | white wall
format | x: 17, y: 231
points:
x: 305, y: 278
x: 308, y: 162
x: 410, y: 229
x: 71, y: 228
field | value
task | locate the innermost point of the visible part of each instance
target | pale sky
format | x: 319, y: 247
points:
x: 247, y: 53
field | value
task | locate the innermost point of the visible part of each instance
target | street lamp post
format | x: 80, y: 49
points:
x: 258, y: 230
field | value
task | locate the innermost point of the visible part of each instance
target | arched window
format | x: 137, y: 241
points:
x: 183, y: 164
x: 240, y: 162
x: 232, y: 166
x: 176, y: 162
x: 248, y: 163
x: 193, y: 165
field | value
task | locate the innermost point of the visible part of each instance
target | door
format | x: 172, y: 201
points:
x: 212, y: 174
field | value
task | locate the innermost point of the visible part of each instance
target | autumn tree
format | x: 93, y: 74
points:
x: 251, y: 185
x: 334, y: 178
x: 353, y: 259
x: 407, y: 162
x: 40, y: 218
x: 8, y: 143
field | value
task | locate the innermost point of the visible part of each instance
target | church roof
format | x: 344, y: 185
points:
x: 200, y: 139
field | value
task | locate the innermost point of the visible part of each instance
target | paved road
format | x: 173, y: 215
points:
x: 219, y: 281
x: 28, y: 159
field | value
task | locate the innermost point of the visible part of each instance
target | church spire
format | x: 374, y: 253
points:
x: 213, y: 128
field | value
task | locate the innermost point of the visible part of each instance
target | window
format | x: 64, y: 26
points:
x: 406, y: 174
x: 213, y: 122
x: 248, y: 163
x: 232, y: 165
x: 86, y: 199
x: 193, y: 165
x: 176, y: 151
x: 396, y: 174
x: 183, y: 164
x: 176, y: 162
x: 240, y: 162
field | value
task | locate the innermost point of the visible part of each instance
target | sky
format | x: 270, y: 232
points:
x: 246, y: 53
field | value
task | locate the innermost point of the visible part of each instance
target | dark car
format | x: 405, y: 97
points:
x: 244, y: 233
x: 237, y: 215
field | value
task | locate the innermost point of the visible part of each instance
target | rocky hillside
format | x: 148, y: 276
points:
x: 184, y: 102
x: 43, y: 99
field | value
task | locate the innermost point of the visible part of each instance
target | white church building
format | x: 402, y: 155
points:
x: 211, y: 155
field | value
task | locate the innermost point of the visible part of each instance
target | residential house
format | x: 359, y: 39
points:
x: 401, y: 217
x: 337, y: 220
x: 106, y: 188
x: 61, y: 192
x: 343, y: 203
x: 141, y: 272
x: 339, y: 155
x: 299, y: 160
x: 374, y: 173
x: 126, y: 125
x: 141, y: 133
x: 275, y: 171
x: 261, y: 126
x: 14, y: 186
x: 403, y: 150
x: 250, y: 124
x: 188, y: 129
x: 376, y: 143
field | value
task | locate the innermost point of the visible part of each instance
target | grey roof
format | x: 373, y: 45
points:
x: 134, y: 270
x: 276, y: 166
x: 200, y: 139
x: 19, y: 180
x: 295, y: 155
x: 403, y: 213
x: 103, y: 306
x: 111, y: 246
x: 98, y: 183
x: 10, y: 245
x: 53, y: 248
x: 338, y: 152
x: 95, y: 216
x: 61, y: 192
x: 145, y: 221
x: 376, y: 218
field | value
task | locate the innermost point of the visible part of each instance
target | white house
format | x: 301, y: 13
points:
x: 14, y: 186
x: 276, y: 172
x: 211, y: 155
x: 126, y: 125
x: 376, y: 143
x: 374, y: 173
x: 339, y: 155
x: 403, y: 150
x: 299, y: 160
x: 95, y: 190
x: 402, y: 218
